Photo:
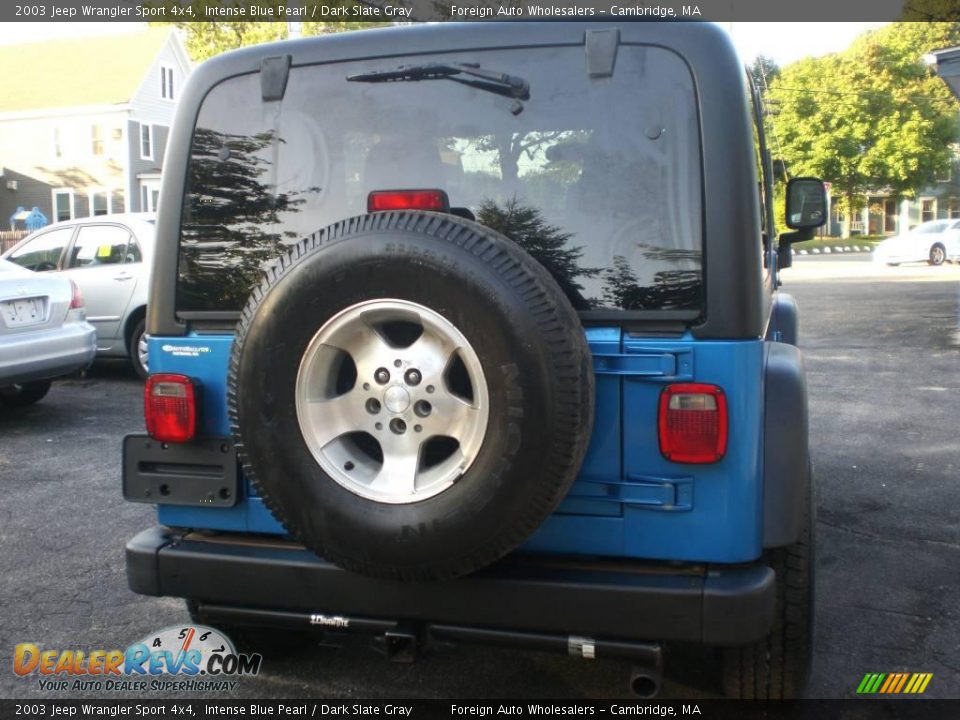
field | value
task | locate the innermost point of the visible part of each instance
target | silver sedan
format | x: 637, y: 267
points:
x: 109, y: 258
x: 44, y: 333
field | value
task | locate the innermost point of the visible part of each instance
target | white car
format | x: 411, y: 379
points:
x: 43, y: 333
x: 933, y: 242
x: 109, y: 258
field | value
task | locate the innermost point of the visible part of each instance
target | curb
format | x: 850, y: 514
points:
x: 834, y: 249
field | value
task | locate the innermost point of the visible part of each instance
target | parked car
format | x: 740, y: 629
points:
x: 933, y: 242
x: 43, y: 333
x: 109, y: 257
x: 487, y: 346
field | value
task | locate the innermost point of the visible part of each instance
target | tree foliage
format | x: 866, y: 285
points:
x: 206, y: 39
x: 764, y: 70
x: 873, y: 117
x: 931, y: 10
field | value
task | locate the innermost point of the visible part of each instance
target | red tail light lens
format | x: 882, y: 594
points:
x: 692, y: 422
x: 382, y: 200
x: 76, y: 297
x: 170, y: 408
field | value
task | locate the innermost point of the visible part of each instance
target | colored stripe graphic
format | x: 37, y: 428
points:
x: 903, y: 681
x: 894, y: 683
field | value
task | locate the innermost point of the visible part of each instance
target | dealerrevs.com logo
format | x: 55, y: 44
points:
x: 186, y: 658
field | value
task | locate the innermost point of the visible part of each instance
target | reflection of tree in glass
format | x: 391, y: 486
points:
x: 674, y: 255
x: 510, y: 148
x: 671, y: 289
x: 231, y: 228
x: 547, y: 243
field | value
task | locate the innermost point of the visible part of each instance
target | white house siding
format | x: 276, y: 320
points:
x: 140, y: 166
x: 27, y: 146
x: 148, y: 105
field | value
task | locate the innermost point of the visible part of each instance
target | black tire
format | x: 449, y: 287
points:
x: 269, y: 642
x: 778, y: 667
x: 534, y: 356
x: 938, y: 253
x: 24, y: 394
x: 136, y: 335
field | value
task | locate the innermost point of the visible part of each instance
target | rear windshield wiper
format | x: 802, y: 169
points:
x: 500, y: 83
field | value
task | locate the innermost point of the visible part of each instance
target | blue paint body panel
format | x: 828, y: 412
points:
x: 628, y: 500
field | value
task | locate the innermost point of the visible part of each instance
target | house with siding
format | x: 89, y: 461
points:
x: 887, y: 213
x: 84, y: 122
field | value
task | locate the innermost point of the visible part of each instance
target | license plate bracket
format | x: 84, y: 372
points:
x: 201, y: 474
x: 22, y: 312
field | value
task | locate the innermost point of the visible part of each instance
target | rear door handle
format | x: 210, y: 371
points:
x: 123, y: 276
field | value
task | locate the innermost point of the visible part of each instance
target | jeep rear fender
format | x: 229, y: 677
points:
x: 784, y: 326
x: 785, y: 462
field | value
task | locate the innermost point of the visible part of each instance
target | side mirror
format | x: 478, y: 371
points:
x: 806, y: 203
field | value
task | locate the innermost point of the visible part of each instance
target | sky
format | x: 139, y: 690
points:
x: 784, y: 42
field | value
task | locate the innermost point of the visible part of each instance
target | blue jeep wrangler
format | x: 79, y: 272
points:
x: 472, y: 333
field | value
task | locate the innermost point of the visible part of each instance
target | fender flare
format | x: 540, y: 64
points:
x: 784, y: 323
x: 785, y: 444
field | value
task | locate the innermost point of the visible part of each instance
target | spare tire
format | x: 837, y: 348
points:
x: 411, y: 393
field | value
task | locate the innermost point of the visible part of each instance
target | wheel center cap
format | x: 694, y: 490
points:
x: 396, y: 399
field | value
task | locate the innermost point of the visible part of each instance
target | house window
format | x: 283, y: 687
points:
x: 954, y: 208
x: 146, y: 142
x: 149, y: 195
x: 57, y: 143
x: 96, y: 135
x: 99, y: 202
x: 928, y: 210
x: 63, y: 205
x: 166, y: 82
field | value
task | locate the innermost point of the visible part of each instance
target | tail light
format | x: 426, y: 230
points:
x: 382, y: 200
x: 76, y: 297
x: 170, y: 408
x: 692, y: 422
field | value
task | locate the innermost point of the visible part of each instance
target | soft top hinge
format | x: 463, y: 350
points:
x: 601, y: 46
x: 274, y: 72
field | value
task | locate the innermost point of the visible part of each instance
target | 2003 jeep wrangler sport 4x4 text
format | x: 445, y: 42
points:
x: 472, y: 333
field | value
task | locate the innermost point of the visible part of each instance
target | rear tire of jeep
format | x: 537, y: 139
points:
x: 429, y: 394
x: 269, y: 642
x: 778, y: 667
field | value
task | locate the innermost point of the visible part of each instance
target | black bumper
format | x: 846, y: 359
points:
x: 255, y: 580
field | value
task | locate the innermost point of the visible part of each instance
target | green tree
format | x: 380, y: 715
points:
x: 206, y: 39
x: 764, y: 70
x: 931, y: 10
x: 873, y: 117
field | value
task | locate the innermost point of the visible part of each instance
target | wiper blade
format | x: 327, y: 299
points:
x: 489, y: 80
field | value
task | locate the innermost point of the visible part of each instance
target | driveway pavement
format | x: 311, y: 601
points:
x: 884, y: 372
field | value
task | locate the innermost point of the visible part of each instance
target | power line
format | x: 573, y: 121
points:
x: 871, y: 95
x: 776, y: 136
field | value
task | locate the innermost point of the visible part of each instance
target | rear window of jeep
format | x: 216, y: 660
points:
x: 597, y: 177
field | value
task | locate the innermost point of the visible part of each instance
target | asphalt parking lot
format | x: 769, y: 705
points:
x: 882, y: 347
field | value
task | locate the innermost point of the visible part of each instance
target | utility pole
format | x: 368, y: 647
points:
x: 293, y: 28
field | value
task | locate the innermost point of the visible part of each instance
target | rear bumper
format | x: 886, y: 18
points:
x: 29, y: 356
x: 250, y: 579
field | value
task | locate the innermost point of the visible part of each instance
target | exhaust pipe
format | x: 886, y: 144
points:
x: 645, y: 679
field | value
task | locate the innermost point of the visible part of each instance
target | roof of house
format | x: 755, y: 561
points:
x: 102, y: 70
